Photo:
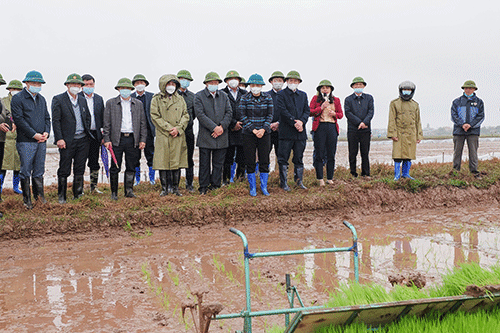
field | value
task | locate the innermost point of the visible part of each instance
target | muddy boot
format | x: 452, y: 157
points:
x: 170, y: 182
x: 152, y: 176
x: 263, y: 183
x: 252, y: 184
x: 283, y: 178
x: 163, y: 181
x: 2, y: 177
x: 62, y: 185
x: 15, y: 183
x: 300, y: 176
x: 226, y: 174
x: 397, y: 170
x: 176, y: 177
x: 77, y: 187
x: 113, y: 179
x: 189, y: 179
x: 25, y: 187
x: 129, y: 185
x: 137, y: 176
x: 406, y: 170
x: 38, y: 189
x: 94, y: 177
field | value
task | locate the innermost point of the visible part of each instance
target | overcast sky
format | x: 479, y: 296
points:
x: 436, y: 44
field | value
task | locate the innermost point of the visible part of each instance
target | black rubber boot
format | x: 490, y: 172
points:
x: 170, y: 182
x: 163, y: 181
x: 25, y: 186
x: 189, y: 179
x: 176, y: 177
x: 77, y: 187
x: 94, y: 177
x: 129, y: 184
x: 300, y: 176
x: 113, y: 179
x: 226, y: 174
x: 2, y: 178
x: 37, y: 185
x: 283, y: 178
x: 62, y: 186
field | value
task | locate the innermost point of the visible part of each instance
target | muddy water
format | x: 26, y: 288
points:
x: 137, y: 280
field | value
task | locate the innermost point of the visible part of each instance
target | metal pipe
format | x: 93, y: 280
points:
x: 266, y: 312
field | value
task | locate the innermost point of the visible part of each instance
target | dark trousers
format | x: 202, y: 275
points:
x: 132, y: 155
x: 190, y: 149
x: 275, y: 142
x: 149, y: 150
x: 94, y: 149
x: 253, y: 144
x: 235, y: 154
x: 211, y: 164
x: 472, y: 145
x: 359, y: 141
x: 2, y: 149
x: 325, y: 140
x: 286, y: 147
x: 75, y: 153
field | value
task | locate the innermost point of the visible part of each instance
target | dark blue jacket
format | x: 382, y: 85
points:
x: 292, y: 106
x: 98, y: 114
x: 64, y: 118
x: 459, y: 115
x: 30, y: 115
x: 358, y: 109
x: 189, y: 99
x: 147, y: 110
x: 274, y: 95
x: 235, y: 138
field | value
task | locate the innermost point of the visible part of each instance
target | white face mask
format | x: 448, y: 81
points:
x: 233, y: 83
x: 13, y: 92
x: 256, y: 90
x: 212, y: 87
x: 140, y: 87
x: 74, y: 90
x: 170, y: 89
x: 292, y: 86
x: 277, y: 85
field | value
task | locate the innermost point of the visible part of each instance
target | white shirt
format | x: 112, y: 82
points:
x: 126, y: 116
x: 73, y: 100
x: 234, y: 93
x: 90, y: 104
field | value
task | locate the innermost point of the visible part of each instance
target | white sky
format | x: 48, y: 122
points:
x: 436, y: 44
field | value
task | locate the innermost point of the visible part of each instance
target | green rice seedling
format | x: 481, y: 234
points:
x: 275, y: 329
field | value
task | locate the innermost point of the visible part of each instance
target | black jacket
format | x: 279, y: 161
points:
x: 235, y: 138
x: 98, y: 114
x: 64, y: 120
x: 292, y: 106
x: 30, y: 115
x: 147, y: 110
x: 358, y: 109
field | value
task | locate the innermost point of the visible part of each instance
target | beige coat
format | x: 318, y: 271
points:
x: 167, y: 112
x: 404, y: 124
x: 10, y: 156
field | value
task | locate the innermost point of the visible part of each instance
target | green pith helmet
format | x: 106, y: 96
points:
x: 15, y: 84
x: 469, y: 84
x: 324, y: 82
x: 277, y: 74
x: 256, y: 79
x: 2, y: 81
x: 243, y: 82
x: 293, y: 75
x: 140, y: 77
x: 34, y: 76
x: 358, y: 79
x: 124, y: 83
x: 231, y: 74
x: 184, y: 74
x: 211, y: 76
x: 74, y: 78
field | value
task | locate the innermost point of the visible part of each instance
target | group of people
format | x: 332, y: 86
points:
x: 238, y: 128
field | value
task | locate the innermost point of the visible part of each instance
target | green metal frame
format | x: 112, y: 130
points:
x: 247, y: 313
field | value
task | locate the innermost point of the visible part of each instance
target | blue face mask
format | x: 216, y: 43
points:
x: 212, y: 87
x: 358, y: 90
x: 88, y: 90
x: 184, y: 83
x: 34, y: 90
x: 125, y: 93
x: 468, y: 96
x: 407, y: 92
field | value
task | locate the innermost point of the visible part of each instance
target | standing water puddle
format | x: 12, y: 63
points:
x: 125, y: 283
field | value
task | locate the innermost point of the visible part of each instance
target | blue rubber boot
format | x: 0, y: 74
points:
x: 397, y: 170
x: 253, y: 184
x: 151, y: 176
x: 257, y: 167
x: 406, y: 169
x: 232, y: 172
x: 2, y: 177
x: 15, y: 183
x: 137, y: 176
x: 263, y: 183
